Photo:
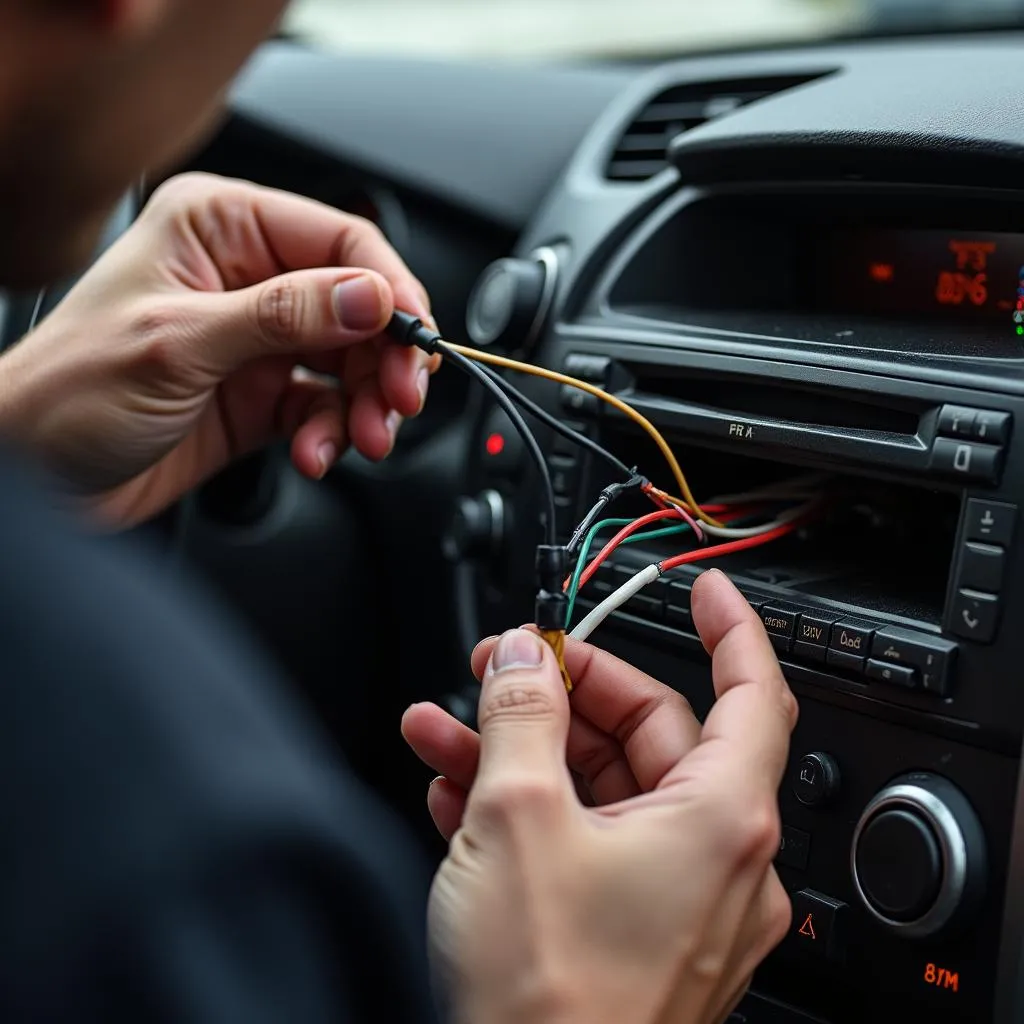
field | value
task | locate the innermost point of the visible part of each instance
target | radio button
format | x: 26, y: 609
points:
x: 814, y: 629
x: 810, y: 652
x: 903, y: 676
x: 966, y: 460
x: 845, y: 662
x: 975, y: 616
x: 932, y: 656
x: 992, y: 427
x: 852, y: 636
x: 991, y: 522
x: 982, y: 567
x: 957, y: 421
x: 779, y: 619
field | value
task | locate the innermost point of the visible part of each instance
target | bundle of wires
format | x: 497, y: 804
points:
x: 675, y: 515
x: 743, y: 538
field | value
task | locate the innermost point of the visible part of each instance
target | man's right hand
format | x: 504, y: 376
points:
x: 657, y: 903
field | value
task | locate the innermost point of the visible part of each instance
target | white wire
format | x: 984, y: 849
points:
x: 614, y: 601
x: 739, y: 533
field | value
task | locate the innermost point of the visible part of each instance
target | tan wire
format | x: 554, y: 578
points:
x: 560, y: 378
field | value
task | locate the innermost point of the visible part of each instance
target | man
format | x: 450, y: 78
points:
x: 178, y: 843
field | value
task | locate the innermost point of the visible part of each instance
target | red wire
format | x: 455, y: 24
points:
x: 729, y: 547
x: 631, y: 528
x: 723, y: 511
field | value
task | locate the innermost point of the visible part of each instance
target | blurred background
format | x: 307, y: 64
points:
x: 617, y: 28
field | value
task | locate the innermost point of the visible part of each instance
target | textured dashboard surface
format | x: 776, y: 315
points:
x: 490, y: 139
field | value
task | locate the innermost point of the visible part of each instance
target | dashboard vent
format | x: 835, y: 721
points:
x: 640, y: 153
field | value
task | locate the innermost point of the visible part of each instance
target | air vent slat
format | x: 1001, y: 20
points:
x: 640, y: 151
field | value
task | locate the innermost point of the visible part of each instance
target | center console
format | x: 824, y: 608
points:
x: 830, y: 308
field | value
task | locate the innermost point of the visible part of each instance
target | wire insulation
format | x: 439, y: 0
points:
x: 591, y: 389
x: 522, y: 427
x: 618, y: 598
x: 556, y: 424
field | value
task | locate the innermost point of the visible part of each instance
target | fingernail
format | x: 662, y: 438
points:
x: 392, y: 423
x: 327, y: 456
x: 434, y: 782
x: 516, y: 649
x: 357, y: 303
x: 422, y: 385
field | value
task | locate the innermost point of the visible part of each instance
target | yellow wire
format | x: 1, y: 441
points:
x: 618, y: 403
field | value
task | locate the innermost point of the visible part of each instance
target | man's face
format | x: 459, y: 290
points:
x: 92, y: 94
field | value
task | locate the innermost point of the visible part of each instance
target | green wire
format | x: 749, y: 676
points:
x: 581, y: 562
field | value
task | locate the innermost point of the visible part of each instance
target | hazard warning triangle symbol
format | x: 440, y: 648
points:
x: 807, y: 928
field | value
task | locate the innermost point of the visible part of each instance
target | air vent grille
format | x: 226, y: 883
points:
x: 640, y: 153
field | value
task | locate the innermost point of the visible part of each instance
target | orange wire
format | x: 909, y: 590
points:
x: 493, y: 359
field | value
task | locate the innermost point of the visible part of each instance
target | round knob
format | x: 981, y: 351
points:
x: 511, y: 299
x: 816, y: 781
x: 477, y: 528
x: 918, y: 856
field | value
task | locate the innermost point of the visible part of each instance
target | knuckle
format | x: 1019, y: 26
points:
x: 281, y: 313
x: 790, y: 707
x: 515, y: 798
x: 182, y: 189
x: 514, y: 701
x: 158, y: 334
x: 779, y: 912
x: 751, y: 831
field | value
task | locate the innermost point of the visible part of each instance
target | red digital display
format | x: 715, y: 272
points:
x: 951, y: 275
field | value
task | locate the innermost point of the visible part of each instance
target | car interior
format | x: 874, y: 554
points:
x: 803, y: 265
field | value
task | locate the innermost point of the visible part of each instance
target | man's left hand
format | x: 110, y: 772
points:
x: 227, y: 316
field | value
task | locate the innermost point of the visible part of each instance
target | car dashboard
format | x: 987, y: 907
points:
x: 800, y: 265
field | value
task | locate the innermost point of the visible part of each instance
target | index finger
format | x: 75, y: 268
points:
x: 254, y: 233
x: 747, y: 730
x: 304, y: 233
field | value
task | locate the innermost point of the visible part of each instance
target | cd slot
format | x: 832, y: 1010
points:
x: 901, y: 452
x: 734, y: 397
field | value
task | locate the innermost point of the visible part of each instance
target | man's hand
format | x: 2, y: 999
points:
x: 185, y: 345
x: 657, y: 903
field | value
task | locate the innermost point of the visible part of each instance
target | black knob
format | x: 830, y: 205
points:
x: 510, y: 301
x: 477, y: 529
x: 816, y: 779
x: 918, y: 856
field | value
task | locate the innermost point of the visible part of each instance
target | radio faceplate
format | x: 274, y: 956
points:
x: 893, y: 625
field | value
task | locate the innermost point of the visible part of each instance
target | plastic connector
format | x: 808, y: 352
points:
x: 551, y: 607
x: 410, y: 330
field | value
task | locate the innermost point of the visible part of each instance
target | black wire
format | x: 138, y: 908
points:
x: 608, y: 495
x: 556, y: 424
x: 523, y: 428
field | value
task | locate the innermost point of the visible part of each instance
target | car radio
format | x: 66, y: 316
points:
x: 893, y: 617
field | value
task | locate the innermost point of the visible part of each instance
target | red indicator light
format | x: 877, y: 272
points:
x: 495, y: 444
x: 881, y: 272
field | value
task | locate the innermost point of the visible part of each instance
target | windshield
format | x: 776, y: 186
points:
x: 616, y: 28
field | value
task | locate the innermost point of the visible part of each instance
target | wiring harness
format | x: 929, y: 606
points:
x: 722, y: 526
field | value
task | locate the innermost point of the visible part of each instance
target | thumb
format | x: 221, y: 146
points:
x: 298, y: 313
x: 523, y: 717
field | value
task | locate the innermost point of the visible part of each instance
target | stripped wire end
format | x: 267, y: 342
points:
x: 555, y: 639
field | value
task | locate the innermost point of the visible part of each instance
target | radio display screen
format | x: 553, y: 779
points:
x: 954, y: 276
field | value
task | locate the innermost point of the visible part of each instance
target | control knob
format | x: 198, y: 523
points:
x: 511, y: 300
x: 477, y: 529
x: 918, y: 856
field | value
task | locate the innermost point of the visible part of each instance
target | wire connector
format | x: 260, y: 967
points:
x: 551, y: 607
x: 410, y: 330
